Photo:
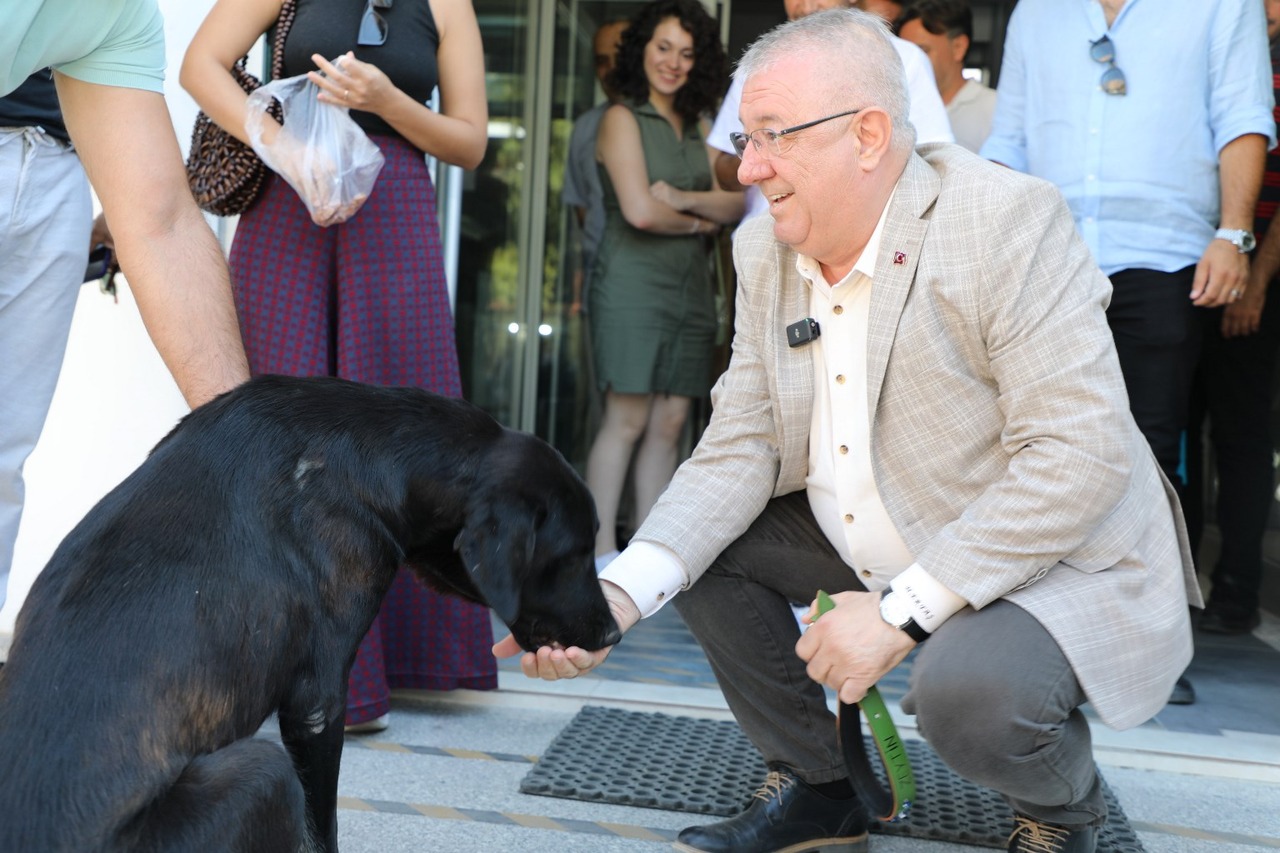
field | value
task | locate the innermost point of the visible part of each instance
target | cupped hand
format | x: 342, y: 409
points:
x: 553, y: 664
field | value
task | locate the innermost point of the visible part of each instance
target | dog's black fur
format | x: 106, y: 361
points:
x: 232, y: 576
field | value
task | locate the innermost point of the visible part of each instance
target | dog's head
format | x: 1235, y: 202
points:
x: 528, y: 546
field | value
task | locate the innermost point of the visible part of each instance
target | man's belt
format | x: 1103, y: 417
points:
x: 893, y: 804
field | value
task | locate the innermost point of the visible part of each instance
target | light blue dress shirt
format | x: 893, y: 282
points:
x: 1139, y: 170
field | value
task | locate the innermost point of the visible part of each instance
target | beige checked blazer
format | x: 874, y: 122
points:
x: 1002, y: 442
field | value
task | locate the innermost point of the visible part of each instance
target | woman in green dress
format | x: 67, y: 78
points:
x: 649, y: 292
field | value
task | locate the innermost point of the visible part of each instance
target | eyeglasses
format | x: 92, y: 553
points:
x: 765, y: 136
x: 1104, y: 51
x: 373, y: 27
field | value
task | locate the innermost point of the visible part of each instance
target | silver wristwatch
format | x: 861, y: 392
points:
x: 896, y: 611
x: 1238, y: 237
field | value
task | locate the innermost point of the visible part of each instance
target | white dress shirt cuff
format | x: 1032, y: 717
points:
x: 650, y: 573
x: 931, y: 602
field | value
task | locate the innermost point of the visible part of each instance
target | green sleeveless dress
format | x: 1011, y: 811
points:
x: 650, y: 300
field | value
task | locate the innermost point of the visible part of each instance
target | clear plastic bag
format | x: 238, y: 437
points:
x: 320, y: 150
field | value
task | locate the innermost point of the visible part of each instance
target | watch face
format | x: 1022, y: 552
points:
x: 1247, y: 242
x: 894, y: 611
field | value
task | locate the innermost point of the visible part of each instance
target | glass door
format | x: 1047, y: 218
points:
x: 521, y: 340
x: 491, y: 282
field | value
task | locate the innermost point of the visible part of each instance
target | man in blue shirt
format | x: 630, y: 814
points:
x: 1154, y: 121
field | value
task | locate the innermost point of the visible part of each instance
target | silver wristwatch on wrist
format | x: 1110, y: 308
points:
x: 1238, y: 237
x: 896, y: 611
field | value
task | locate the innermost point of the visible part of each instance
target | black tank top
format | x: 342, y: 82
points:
x: 408, y: 58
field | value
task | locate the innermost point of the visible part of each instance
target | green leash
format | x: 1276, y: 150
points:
x: 893, y: 804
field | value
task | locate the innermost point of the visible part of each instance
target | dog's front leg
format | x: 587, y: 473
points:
x: 317, y: 756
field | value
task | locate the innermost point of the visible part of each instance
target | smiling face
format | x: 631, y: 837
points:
x: 668, y: 58
x: 812, y: 178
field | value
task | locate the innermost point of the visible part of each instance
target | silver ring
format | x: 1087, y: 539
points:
x: 346, y: 96
x: 1235, y: 294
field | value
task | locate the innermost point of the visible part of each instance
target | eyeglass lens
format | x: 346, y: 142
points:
x: 1103, y: 51
x: 373, y: 27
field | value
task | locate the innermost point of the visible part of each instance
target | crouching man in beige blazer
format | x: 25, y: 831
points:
x: 953, y: 451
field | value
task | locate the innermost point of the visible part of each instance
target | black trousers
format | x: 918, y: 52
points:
x: 991, y: 690
x: 1157, y: 335
x: 1231, y: 401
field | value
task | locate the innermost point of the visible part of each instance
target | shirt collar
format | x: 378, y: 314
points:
x: 866, y: 263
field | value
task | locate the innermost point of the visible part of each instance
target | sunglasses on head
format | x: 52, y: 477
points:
x: 1104, y: 51
x: 373, y: 27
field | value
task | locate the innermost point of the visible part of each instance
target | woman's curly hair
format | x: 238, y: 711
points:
x: 708, y: 78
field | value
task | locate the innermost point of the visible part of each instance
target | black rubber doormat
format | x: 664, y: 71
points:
x: 709, y: 767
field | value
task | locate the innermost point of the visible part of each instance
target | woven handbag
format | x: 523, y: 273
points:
x: 225, y: 176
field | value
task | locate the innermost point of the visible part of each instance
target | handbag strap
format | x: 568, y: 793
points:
x: 279, y: 33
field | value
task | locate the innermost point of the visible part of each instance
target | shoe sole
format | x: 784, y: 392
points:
x: 851, y: 844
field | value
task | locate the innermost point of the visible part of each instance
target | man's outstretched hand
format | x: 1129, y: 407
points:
x: 552, y: 664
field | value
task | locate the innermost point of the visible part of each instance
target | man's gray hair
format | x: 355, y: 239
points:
x: 844, y: 45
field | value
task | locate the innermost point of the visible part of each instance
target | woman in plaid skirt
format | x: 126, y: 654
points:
x: 366, y: 299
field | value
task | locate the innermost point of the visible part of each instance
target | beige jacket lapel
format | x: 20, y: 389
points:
x: 895, y: 270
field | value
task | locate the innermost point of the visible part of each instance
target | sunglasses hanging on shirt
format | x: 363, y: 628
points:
x: 373, y: 27
x: 1103, y: 51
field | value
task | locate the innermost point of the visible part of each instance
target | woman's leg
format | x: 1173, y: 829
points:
x: 624, y: 421
x: 656, y: 461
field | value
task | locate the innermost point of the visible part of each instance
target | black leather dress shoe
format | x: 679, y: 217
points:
x: 785, y: 816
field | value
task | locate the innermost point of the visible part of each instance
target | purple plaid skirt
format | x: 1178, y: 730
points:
x: 367, y: 300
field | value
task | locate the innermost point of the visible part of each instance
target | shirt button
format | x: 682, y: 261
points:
x: 866, y: 574
x: 839, y: 309
x: 848, y: 518
x: 844, y: 448
x: 839, y: 378
x: 661, y: 596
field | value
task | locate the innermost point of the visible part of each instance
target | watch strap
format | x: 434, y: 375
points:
x: 1241, y: 238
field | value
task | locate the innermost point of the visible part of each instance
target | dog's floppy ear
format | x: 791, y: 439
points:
x: 496, y: 546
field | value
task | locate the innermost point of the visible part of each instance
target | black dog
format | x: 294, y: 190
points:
x: 232, y: 576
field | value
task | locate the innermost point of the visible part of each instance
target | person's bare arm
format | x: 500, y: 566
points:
x: 1222, y: 269
x: 175, y: 267
x: 619, y: 148
x: 718, y: 205
x: 225, y: 35
x: 459, y: 133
